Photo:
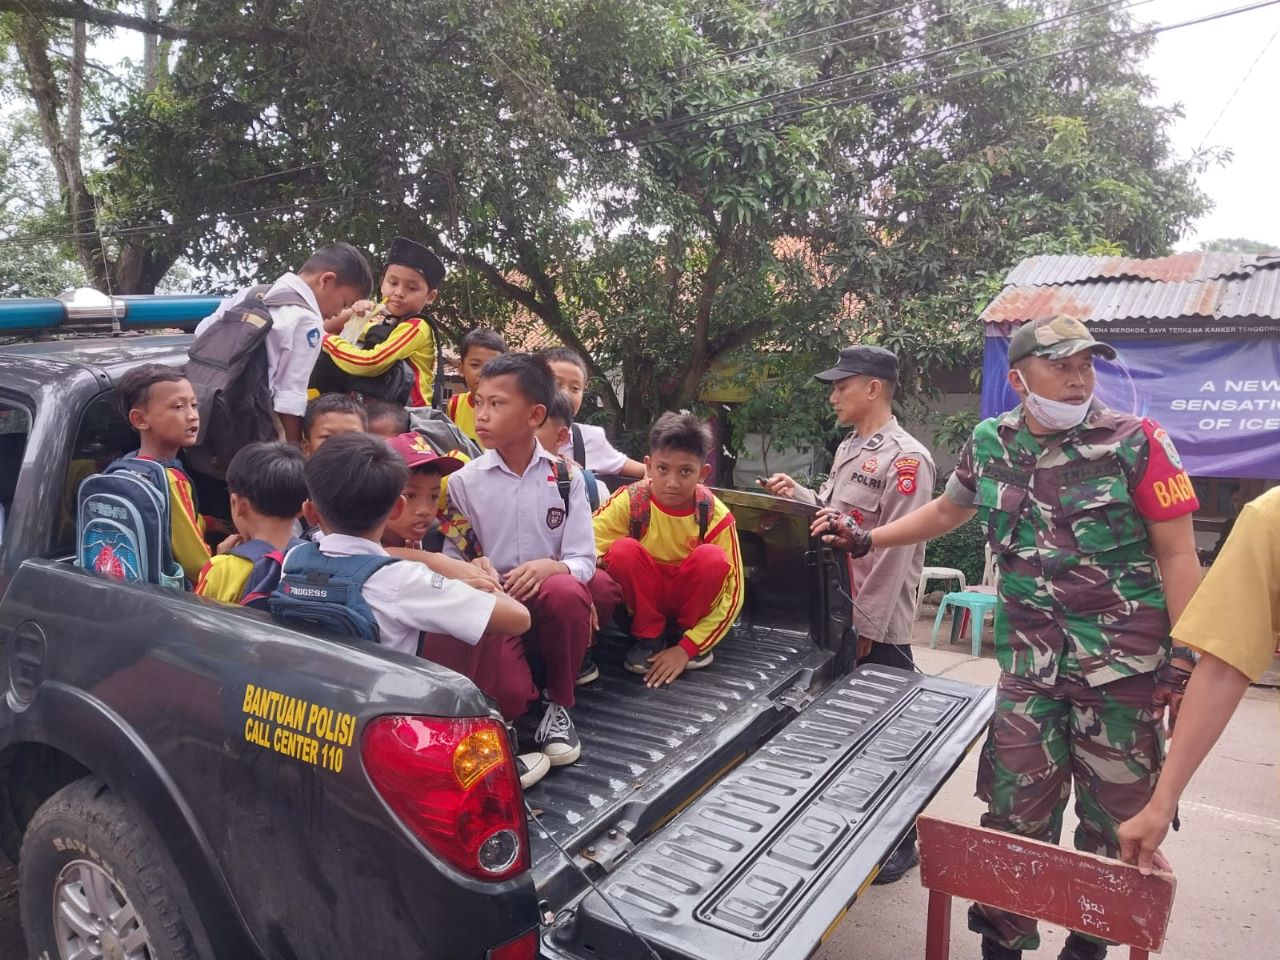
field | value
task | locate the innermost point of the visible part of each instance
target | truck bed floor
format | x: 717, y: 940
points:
x: 634, y: 737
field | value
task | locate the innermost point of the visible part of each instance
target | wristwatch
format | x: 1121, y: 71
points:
x: 1184, y: 653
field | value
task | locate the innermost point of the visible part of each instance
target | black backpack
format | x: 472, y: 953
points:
x: 227, y: 368
x: 394, y: 384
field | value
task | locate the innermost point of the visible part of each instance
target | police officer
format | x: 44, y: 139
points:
x: 880, y: 472
x: 1088, y: 512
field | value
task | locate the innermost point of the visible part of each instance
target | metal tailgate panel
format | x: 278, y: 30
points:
x: 776, y: 851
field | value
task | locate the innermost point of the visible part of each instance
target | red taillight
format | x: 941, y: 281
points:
x: 521, y: 948
x: 454, y: 784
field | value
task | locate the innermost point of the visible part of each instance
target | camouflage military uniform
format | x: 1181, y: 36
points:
x: 876, y: 479
x: 1081, y: 627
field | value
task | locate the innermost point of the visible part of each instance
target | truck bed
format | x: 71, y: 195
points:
x: 646, y: 753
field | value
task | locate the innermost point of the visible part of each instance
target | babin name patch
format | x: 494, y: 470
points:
x: 555, y: 517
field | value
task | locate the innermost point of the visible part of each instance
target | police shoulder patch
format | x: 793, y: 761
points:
x: 907, y: 469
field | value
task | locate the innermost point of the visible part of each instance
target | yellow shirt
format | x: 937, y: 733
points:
x: 670, y: 538
x: 224, y: 578
x: 1235, y: 614
x: 411, y: 340
x: 186, y: 526
x: 462, y: 411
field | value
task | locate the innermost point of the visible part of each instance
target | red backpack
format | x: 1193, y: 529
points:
x: 642, y: 507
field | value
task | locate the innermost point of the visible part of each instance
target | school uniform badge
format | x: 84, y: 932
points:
x: 555, y: 517
x: 907, y: 468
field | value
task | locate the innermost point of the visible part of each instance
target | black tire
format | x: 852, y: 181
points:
x: 86, y: 846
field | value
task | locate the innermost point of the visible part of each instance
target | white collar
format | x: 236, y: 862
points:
x: 491, y: 459
x: 343, y: 545
x: 299, y: 286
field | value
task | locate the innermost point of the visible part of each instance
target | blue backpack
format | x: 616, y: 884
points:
x: 122, y: 524
x: 325, y: 593
x: 265, y: 576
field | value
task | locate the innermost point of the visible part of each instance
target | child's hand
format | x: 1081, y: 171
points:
x: 229, y: 543
x: 666, y: 666
x: 595, y: 619
x: 361, y: 307
x: 485, y: 566
x: 524, y: 582
x: 483, y: 584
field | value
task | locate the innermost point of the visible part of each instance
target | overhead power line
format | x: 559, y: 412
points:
x: 981, y: 71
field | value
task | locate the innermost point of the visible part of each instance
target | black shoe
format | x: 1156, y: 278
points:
x: 1080, y: 947
x: 556, y: 737
x: 995, y: 951
x: 532, y: 767
x: 899, y: 862
x: 700, y: 661
x: 588, y: 672
x: 637, y: 659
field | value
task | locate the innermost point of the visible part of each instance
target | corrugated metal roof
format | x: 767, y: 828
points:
x: 1053, y: 270
x: 1103, y: 289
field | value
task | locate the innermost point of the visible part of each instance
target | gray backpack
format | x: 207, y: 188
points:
x: 441, y: 432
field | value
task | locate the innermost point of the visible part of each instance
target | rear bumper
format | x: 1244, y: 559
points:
x: 766, y: 862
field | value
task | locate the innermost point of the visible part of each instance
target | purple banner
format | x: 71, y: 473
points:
x: 1218, y: 397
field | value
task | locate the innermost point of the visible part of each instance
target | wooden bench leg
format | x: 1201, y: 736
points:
x: 937, y: 937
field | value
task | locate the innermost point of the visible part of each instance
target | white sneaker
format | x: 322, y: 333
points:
x: 532, y: 767
x: 556, y: 737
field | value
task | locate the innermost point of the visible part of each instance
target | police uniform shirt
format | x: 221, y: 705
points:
x: 514, y: 518
x: 409, y: 598
x: 874, y: 480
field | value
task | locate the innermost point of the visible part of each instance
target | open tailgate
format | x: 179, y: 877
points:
x: 767, y: 860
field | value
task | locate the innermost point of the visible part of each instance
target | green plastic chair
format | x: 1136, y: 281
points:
x: 977, y: 603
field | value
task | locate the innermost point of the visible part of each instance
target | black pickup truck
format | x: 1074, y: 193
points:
x: 181, y: 779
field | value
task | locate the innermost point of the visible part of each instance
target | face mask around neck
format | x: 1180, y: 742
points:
x: 1054, y: 414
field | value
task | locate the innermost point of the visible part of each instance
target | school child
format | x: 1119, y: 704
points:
x: 332, y: 279
x: 588, y: 445
x: 419, y: 518
x: 477, y: 348
x: 387, y: 419
x: 354, y: 485
x: 672, y: 546
x: 329, y: 415
x: 507, y: 505
x: 554, y: 434
x: 267, y: 490
x: 396, y: 337
x: 160, y: 405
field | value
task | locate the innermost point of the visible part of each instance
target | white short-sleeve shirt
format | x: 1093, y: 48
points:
x: 601, y: 456
x: 409, y: 598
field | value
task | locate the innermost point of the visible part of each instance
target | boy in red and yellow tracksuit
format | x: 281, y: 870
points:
x: 409, y: 285
x: 672, y: 547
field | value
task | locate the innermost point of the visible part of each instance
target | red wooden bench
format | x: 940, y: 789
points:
x: 1090, y: 894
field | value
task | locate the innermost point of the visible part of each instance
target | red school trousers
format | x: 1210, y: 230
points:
x: 561, y: 632
x: 657, y: 592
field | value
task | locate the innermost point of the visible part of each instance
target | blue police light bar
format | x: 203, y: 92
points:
x: 89, y: 309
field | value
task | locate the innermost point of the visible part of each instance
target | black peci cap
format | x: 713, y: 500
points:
x: 408, y: 253
x: 870, y: 361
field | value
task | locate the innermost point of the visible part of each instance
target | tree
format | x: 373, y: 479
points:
x: 669, y: 188
x: 1238, y: 245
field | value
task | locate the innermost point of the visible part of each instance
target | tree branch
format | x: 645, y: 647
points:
x: 85, y: 13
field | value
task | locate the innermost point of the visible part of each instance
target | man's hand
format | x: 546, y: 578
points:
x: 1171, y: 684
x: 1141, y: 836
x: 863, y: 647
x: 839, y: 531
x: 666, y: 666
x: 526, y: 580
x: 780, y: 485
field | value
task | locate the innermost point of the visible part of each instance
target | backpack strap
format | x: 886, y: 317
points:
x: 437, y: 385
x: 704, y: 503
x: 579, y: 445
x: 563, y: 483
x: 593, y: 493
x: 641, y: 507
x: 268, y: 561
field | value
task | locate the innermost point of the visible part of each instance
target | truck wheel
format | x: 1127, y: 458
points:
x: 94, y: 885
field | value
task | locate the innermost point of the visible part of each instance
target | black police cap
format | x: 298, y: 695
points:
x: 408, y: 253
x: 871, y: 361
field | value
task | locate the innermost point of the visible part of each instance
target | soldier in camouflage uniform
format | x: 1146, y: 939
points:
x: 1088, y: 512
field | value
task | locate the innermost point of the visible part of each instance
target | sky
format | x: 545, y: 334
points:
x: 1200, y: 67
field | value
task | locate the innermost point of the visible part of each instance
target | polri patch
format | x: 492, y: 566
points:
x: 908, y: 468
x: 555, y: 517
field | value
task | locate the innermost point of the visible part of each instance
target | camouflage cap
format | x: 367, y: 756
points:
x: 1054, y: 338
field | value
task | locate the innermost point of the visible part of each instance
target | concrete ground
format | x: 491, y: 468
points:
x: 1226, y: 857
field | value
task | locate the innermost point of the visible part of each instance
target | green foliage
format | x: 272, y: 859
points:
x: 954, y: 430
x: 963, y: 549
x: 1238, y: 245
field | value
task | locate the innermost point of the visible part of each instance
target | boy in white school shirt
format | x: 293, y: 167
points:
x: 506, y: 507
x: 587, y: 445
x: 332, y: 279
